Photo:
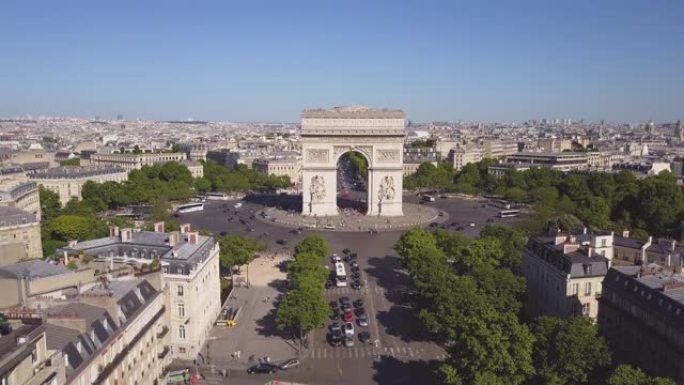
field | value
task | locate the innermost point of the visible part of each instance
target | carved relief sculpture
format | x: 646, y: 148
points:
x: 387, y: 190
x: 387, y: 156
x: 317, y: 156
x: 317, y: 188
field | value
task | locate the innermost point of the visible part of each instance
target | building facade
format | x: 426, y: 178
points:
x: 19, y: 235
x: 22, y: 194
x: 25, y: 358
x: 190, y: 265
x: 498, y: 147
x: 564, y: 161
x: 564, y: 273
x: 460, y: 157
x: 642, y: 319
x: 136, y: 161
x: 194, y: 150
x: 68, y: 182
x: 290, y: 167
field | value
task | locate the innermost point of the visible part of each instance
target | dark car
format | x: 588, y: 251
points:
x: 346, y: 303
x: 263, y: 368
x: 358, y: 303
x: 354, y: 265
x: 336, y: 338
x: 359, y: 311
x: 346, y: 250
x: 281, y: 242
x: 356, y: 285
x: 364, y: 337
x: 223, y: 233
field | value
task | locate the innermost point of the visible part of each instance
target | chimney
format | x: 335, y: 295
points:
x: 113, y: 231
x: 570, y: 248
x: 126, y: 235
x: 193, y: 237
x: 584, y: 230
x: 72, y: 243
x: 674, y: 245
x: 590, y: 252
x: 159, y: 227
x: 174, y: 236
x: 185, y: 228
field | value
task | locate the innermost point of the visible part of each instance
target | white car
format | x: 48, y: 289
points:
x: 336, y: 258
x: 329, y: 227
x: 472, y: 225
x: 349, y: 329
x: 237, y: 205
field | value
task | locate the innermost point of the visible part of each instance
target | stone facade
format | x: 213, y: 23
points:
x: 19, y: 235
x: 67, y: 182
x: 135, y: 161
x: 291, y: 167
x: 378, y: 135
x: 22, y: 194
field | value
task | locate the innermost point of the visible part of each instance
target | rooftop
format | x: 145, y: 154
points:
x: 353, y: 112
x: 75, y: 172
x: 35, y: 268
x: 12, y: 216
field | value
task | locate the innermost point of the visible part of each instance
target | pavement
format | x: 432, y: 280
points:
x: 404, y: 354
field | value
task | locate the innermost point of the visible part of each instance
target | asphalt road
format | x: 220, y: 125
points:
x: 404, y: 355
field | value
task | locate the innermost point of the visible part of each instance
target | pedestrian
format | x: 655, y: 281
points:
x: 238, y: 354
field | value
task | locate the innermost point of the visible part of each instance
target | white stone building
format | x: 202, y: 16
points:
x: 68, y: 182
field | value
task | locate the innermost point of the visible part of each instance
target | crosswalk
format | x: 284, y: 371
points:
x: 338, y: 291
x: 325, y: 353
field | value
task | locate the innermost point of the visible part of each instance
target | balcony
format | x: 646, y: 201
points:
x: 164, y: 352
x: 163, y: 332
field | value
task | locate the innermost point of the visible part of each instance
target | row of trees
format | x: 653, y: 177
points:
x: 469, y: 296
x: 304, y: 308
x: 653, y: 205
x: 222, y: 179
x: 236, y: 250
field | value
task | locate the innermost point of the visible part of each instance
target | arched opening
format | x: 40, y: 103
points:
x: 352, y: 184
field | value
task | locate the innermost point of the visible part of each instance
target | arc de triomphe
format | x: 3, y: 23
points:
x: 378, y: 135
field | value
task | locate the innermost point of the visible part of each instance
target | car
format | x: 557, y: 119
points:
x: 294, y: 231
x: 348, y: 316
x: 356, y: 285
x: 441, y: 214
x: 237, y: 205
x: 289, y: 364
x: 362, y: 320
x: 472, y: 224
x: 349, y: 342
x: 460, y: 228
x: 346, y: 302
x: 329, y: 227
x: 336, y: 258
x: 281, y: 242
x: 359, y: 311
x: 263, y: 367
x: 334, y: 304
x: 346, y: 250
x: 356, y: 275
x: 335, y: 326
x: 358, y: 303
x: 335, y: 314
x: 251, y: 230
x: 349, y: 328
x: 364, y: 337
x: 354, y: 265
x: 336, y: 338
x: 434, y: 224
x: 223, y: 233
x: 329, y: 284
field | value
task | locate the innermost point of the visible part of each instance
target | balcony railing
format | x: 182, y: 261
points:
x: 163, y: 332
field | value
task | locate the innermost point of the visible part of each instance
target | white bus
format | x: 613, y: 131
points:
x: 508, y: 213
x: 216, y: 196
x: 501, y: 203
x: 427, y: 198
x: 190, y: 208
x: 340, y: 274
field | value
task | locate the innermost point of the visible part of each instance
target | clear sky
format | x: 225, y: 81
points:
x: 252, y: 60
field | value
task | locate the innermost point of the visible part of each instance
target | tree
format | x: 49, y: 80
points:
x: 73, y: 227
x: 236, y: 250
x: 202, y: 184
x: 512, y: 244
x: 49, y: 203
x: 313, y: 244
x: 567, y: 352
x: 137, y: 150
x: 70, y: 162
x: 629, y: 375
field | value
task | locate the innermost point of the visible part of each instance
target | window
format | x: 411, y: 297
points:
x: 181, y: 332
x: 575, y: 288
x: 180, y: 290
x: 181, y: 310
x: 587, y: 288
x: 585, y: 309
x: 603, y: 243
x: 181, y: 350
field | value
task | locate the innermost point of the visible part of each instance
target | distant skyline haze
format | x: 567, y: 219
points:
x: 268, y: 60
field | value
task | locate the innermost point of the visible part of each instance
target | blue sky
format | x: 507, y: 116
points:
x: 252, y: 60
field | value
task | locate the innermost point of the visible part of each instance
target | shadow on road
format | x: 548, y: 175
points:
x: 389, y: 275
x: 284, y: 202
x: 403, y: 322
x: 281, y: 285
x: 266, y: 325
x: 390, y: 371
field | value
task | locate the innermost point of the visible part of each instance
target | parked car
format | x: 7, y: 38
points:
x: 346, y: 250
x: 349, y: 342
x: 336, y: 258
x: 346, y: 303
x: 364, y: 337
x: 358, y: 303
x: 289, y: 364
x: 263, y: 368
x: 336, y: 338
x: 356, y: 285
x: 348, y: 316
x: 362, y: 320
x: 348, y: 328
x: 281, y: 242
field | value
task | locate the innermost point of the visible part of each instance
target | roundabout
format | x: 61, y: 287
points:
x: 414, y: 215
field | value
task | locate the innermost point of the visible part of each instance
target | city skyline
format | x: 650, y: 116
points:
x: 616, y: 61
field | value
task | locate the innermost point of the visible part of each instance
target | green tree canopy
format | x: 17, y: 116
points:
x: 629, y: 375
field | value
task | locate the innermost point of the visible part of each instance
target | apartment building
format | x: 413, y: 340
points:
x: 20, y: 193
x: 564, y: 272
x: 195, y: 167
x: 642, y: 318
x: 19, y: 235
x: 194, y: 150
x: 68, y: 182
x: 564, y: 161
x: 135, y: 161
x: 290, y: 167
x: 190, y: 265
x: 459, y: 157
x: 25, y: 358
x: 498, y: 147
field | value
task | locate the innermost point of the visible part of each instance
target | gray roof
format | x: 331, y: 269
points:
x: 76, y: 172
x: 577, y: 263
x: 631, y: 243
x: 12, y: 216
x: 35, y: 268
